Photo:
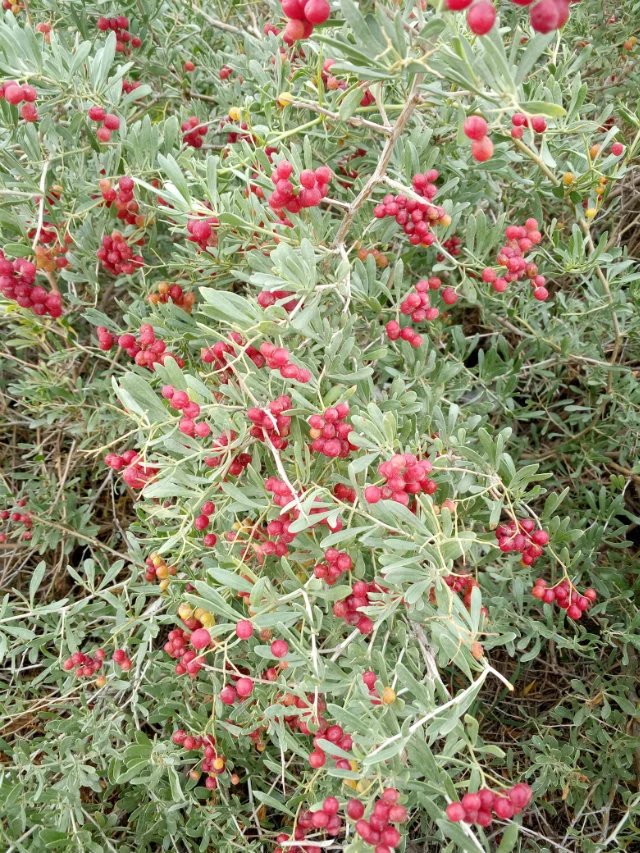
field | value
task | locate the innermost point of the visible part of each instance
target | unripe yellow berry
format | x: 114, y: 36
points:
x: 185, y: 611
x: 235, y: 113
x: 388, y: 696
x: 591, y: 213
x: 284, y: 99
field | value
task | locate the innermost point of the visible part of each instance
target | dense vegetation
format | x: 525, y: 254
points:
x: 319, y: 423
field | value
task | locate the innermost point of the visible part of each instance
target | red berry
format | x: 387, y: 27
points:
x: 481, y: 17
x: 355, y: 809
x: 200, y: 638
x: 244, y: 687
x: 482, y: 149
x: 455, y: 812
x: 475, y: 127
x: 317, y: 11
x: 279, y: 648
x: 539, y: 124
x: 111, y: 121
x: 545, y: 16
x: 317, y: 758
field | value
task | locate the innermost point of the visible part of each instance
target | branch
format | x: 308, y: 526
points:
x: 383, y: 163
x: 356, y: 121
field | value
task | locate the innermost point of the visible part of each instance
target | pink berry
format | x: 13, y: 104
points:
x: 279, y: 648
x: 317, y: 11
x: 244, y: 687
x: 244, y: 629
x: 475, y: 127
x: 200, y: 638
x: 482, y: 149
x: 455, y: 812
x: 481, y: 17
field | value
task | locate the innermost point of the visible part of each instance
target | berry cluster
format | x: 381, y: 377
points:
x: 15, y: 94
x: 478, y: 808
x: 330, y: 432
x: 565, y: 596
x: 280, y: 537
x: 271, y: 540
x: 196, y: 618
x: 325, y: 819
x: 464, y: 585
x: 158, y: 570
x: 121, y: 659
x: 314, y: 186
x: 193, y: 132
x: 18, y: 517
x: 345, y: 493
x: 522, y: 536
x: 166, y: 292
x: 129, y: 86
x: 237, y: 464
x: 520, y: 239
x: 476, y: 129
x: 277, y: 358
x: 189, y: 662
x: 416, y: 217
x: 303, y: 16
x: 405, y: 475
x: 242, y: 689
x: 416, y: 304
x: 519, y: 122
x: 396, y: 332
x: 146, y: 350
x: 271, y: 424
x: 453, y: 246
x: 17, y: 282
x: 85, y: 665
x: 217, y: 354
x: 203, y: 232
x: 135, y: 473
x: 51, y: 257
x: 212, y: 763
x: 266, y: 298
x: 378, y: 829
x: 335, y: 565
x: 282, y: 494
x: 332, y: 83
x: 117, y: 256
x: 122, y: 199
x: 120, y: 26
x: 336, y: 735
x: 180, y: 401
x: 202, y: 521
x: 108, y: 122
x: 348, y: 608
x: 381, y: 260
x: 544, y: 15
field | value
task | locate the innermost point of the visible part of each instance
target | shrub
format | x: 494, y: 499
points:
x: 320, y: 410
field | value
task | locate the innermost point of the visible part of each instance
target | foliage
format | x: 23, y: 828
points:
x: 526, y: 409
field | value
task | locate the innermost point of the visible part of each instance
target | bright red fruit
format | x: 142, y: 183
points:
x: 475, y: 127
x: 317, y: 11
x: 482, y: 149
x: 481, y: 17
x: 200, y: 638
